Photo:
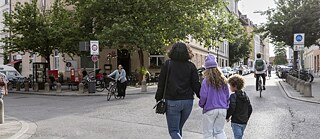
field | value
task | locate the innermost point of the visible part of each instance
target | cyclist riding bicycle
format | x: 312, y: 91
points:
x: 260, y: 69
x: 269, y: 70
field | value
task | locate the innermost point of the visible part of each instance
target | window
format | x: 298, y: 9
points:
x: 156, y: 61
x: 56, y: 59
x: 86, y: 62
x: 6, y: 1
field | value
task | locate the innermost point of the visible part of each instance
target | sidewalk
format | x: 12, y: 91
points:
x: 293, y: 94
x: 68, y: 92
x: 17, y: 129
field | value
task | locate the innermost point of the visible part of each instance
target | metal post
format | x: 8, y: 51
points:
x: 1, y: 111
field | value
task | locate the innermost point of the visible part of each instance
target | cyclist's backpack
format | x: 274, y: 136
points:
x: 259, y: 66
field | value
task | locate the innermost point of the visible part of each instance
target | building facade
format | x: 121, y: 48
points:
x: 311, y: 58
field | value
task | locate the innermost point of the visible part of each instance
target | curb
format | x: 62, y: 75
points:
x: 27, y: 130
x: 284, y: 89
x: 135, y: 92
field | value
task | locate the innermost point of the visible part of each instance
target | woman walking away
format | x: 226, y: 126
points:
x: 182, y: 84
x: 214, y: 99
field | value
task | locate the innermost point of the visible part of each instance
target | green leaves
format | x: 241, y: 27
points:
x: 280, y: 54
x: 41, y: 32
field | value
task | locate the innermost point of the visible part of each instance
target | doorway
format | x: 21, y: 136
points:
x: 124, y: 60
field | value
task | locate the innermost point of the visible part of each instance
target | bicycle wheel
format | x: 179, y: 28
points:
x: 100, y: 86
x: 109, y: 94
x: 260, y: 87
x: 115, y: 93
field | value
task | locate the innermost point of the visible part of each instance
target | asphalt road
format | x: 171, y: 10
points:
x: 62, y: 117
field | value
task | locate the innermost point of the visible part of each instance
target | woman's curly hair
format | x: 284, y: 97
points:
x: 180, y: 52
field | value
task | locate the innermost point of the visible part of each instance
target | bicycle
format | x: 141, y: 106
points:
x: 112, y: 89
x: 260, y: 85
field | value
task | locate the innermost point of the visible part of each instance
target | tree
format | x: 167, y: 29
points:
x: 140, y: 25
x: 240, y: 48
x: 40, y: 32
x: 293, y: 16
x: 280, y: 54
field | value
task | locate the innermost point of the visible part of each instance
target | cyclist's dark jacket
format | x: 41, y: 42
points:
x: 183, y: 81
x: 239, y: 108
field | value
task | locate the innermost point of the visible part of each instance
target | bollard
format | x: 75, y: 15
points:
x: 1, y: 111
x: 46, y: 87
x: 143, y: 86
x: 26, y: 86
x: 288, y: 79
x: 81, y: 88
x: 300, y: 86
x: 295, y: 83
x: 36, y: 87
x: 291, y: 80
x: 9, y: 86
x: 307, y: 89
x: 17, y: 86
x: 58, y: 88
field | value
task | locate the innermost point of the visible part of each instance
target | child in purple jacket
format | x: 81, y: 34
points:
x: 214, y: 99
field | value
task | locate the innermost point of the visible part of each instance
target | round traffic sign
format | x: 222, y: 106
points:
x: 94, y: 58
x: 94, y: 47
x: 68, y: 64
x: 299, y: 38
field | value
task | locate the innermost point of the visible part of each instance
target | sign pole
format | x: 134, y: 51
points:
x: 94, y: 70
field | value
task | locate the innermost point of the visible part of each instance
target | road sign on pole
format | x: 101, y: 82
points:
x: 94, y: 47
x: 94, y: 58
x: 298, y: 39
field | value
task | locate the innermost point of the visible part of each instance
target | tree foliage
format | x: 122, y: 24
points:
x: 240, y: 48
x: 152, y: 24
x: 41, y: 32
x: 280, y: 54
x: 293, y: 16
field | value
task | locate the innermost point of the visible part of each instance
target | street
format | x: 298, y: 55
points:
x: 274, y: 116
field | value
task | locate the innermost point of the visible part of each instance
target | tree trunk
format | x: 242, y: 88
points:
x: 141, y: 58
x: 48, y: 61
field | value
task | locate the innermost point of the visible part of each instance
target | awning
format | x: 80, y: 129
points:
x: 13, y: 62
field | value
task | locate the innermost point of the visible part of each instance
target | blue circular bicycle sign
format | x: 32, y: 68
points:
x: 299, y: 38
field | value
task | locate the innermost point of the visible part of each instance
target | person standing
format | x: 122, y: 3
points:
x: 214, y: 99
x: 240, y: 108
x: 3, y: 85
x: 182, y: 84
x: 269, y: 70
x: 84, y: 73
x: 121, y: 78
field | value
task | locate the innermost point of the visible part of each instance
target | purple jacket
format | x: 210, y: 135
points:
x: 211, y: 98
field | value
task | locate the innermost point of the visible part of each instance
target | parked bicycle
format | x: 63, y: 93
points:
x: 304, y: 75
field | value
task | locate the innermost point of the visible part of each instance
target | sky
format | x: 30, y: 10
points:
x: 248, y: 7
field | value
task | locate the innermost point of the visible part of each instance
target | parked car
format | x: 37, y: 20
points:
x: 230, y: 71
x: 282, y: 71
x: 12, y: 74
x: 225, y: 72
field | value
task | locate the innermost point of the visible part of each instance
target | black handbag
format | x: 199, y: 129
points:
x: 161, y: 105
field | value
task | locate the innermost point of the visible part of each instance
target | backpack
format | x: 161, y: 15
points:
x: 259, y: 66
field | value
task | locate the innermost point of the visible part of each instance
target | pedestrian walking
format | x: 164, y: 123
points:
x: 3, y: 85
x: 121, y: 78
x: 182, y: 84
x: 240, y: 108
x: 84, y: 73
x: 214, y: 99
